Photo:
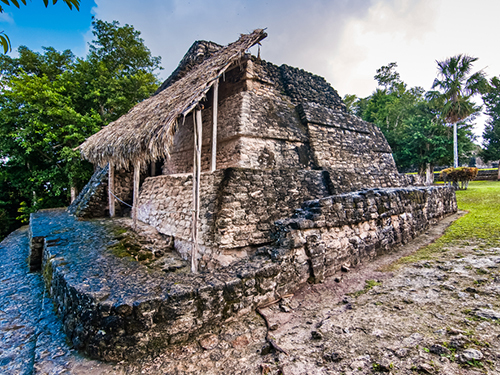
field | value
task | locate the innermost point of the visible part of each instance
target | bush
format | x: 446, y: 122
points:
x: 460, y: 176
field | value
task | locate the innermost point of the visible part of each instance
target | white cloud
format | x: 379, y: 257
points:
x: 6, y: 18
x: 300, y: 34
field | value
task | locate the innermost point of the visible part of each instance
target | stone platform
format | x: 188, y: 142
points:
x: 114, y: 306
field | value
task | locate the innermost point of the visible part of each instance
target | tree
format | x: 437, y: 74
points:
x: 388, y: 78
x: 457, y: 85
x: 118, y: 72
x: 39, y: 129
x: 491, y: 134
x: 53, y: 101
x: 389, y: 107
x: 4, y: 39
x: 411, y: 122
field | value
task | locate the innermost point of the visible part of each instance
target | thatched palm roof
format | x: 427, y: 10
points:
x: 146, y: 132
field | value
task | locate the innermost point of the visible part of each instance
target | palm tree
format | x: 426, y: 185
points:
x: 456, y: 87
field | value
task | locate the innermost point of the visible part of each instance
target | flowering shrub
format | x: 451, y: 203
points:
x: 460, y: 176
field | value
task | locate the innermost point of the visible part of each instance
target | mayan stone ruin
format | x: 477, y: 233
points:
x: 251, y: 178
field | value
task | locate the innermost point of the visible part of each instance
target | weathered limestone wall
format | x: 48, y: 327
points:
x: 257, y: 128
x: 166, y: 203
x: 93, y: 199
x: 351, y: 228
x: 253, y: 199
x: 238, y: 208
x: 354, y: 152
x: 155, y: 311
x: 229, y: 119
x: 274, y: 117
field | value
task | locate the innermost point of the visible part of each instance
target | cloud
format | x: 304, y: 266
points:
x: 300, y: 34
x: 343, y: 40
x: 6, y: 18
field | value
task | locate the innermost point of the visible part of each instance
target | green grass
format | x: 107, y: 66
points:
x: 479, y: 227
x: 481, y: 169
x: 482, y: 200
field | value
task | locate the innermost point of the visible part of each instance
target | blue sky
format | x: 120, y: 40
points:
x: 345, y: 41
x: 57, y: 26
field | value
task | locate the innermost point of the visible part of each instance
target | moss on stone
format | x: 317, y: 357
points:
x: 48, y: 274
x: 117, y: 231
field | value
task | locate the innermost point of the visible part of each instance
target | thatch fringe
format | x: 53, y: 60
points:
x: 146, y: 132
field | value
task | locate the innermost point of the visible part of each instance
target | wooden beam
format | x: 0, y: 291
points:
x: 111, y: 189
x: 197, y: 120
x: 214, y: 126
x: 137, y: 175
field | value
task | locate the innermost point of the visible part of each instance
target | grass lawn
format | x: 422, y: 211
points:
x: 480, y: 227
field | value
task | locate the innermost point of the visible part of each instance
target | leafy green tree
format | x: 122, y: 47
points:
x: 118, y: 72
x: 411, y: 122
x: 51, y: 102
x: 388, y: 78
x: 4, y: 39
x: 350, y: 102
x: 457, y: 85
x: 39, y: 129
x: 491, y: 134
x: 427, y: 141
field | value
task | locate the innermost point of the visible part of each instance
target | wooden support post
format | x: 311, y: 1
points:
x: 74, y: 193
x: 153, y: 169
x: 214, y: 126
x: 197, y: 119
x: 111, y: 189
x: 137, y: 175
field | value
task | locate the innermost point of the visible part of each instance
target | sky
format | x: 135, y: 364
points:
x: 345, y: 41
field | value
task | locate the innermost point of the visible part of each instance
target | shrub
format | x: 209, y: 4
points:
x: 460, y: 176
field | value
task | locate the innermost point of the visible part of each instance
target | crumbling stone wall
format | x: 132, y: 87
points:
x: 256, y: 125
x: 238, y: 208
x: 93, y: 199
x: 166, y: 203
x: 351, y: 228
x: 253, y: 199
x: 157, y: 310
x: 228, y: 145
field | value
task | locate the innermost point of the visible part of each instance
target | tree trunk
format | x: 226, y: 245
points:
x: 429, y: 174
x: 455, y: 146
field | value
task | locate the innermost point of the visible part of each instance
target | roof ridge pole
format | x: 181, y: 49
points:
x: 111, y: 188
x: 137, y: 171
x: 197, y: 121
x: 213, y: 165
